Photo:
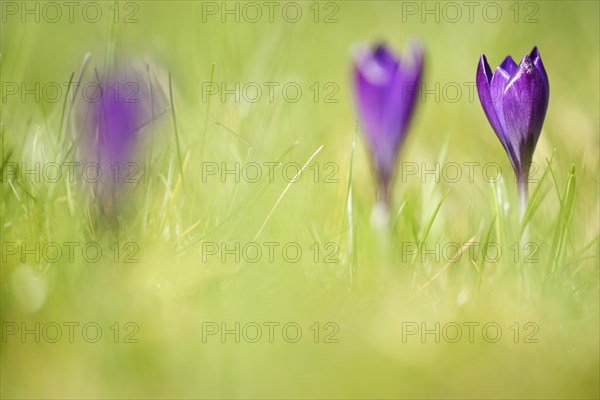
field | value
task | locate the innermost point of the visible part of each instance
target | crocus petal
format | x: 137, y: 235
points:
x: 490, y: 89
x: 117, y: 120
x: 509, y: 66
x: 537, y: 61
x: 524, y: 105
x: 484, y: 77
x: 499, y: 83
x: 484, y: 71
x: 385, y: 59
x: 497, y: 87
x: 402, y: 96
x: 373, y: 81
x: 376, y: 67
x: 112, y: 124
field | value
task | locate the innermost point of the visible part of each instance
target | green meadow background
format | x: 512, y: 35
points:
x: 376, y: 289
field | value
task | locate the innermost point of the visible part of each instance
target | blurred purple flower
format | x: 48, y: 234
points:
x: 113, y: 121
x: 386, y: 90
x: 515, y: 100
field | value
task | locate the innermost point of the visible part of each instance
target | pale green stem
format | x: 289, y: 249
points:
x: 523, y: 187
x: 523, y: 196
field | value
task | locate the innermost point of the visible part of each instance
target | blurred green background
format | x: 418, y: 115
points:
x: 374, y: 290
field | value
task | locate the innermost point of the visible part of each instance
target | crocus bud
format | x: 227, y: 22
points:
x: 515, y: 100
x: 113, y: 122
x: 386, y: 91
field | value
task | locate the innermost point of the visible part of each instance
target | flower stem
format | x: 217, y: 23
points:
x: 523, y: 188
x: 523, y: 197
x: 381, y: 211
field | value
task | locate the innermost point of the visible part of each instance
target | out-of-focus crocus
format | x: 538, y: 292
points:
x: 114, y: 118
x: 386, y: 90
x: 117, y: 114
x: 515, y: 100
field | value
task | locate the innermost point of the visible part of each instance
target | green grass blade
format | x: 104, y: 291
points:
x: 177, y: 144
x: 564, y: 220
x: 536, y: 199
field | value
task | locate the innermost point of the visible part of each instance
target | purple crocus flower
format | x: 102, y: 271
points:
x: 113, y: 120
x: 386, y: 90
x: 117, y: 114
x: 515, y: 100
